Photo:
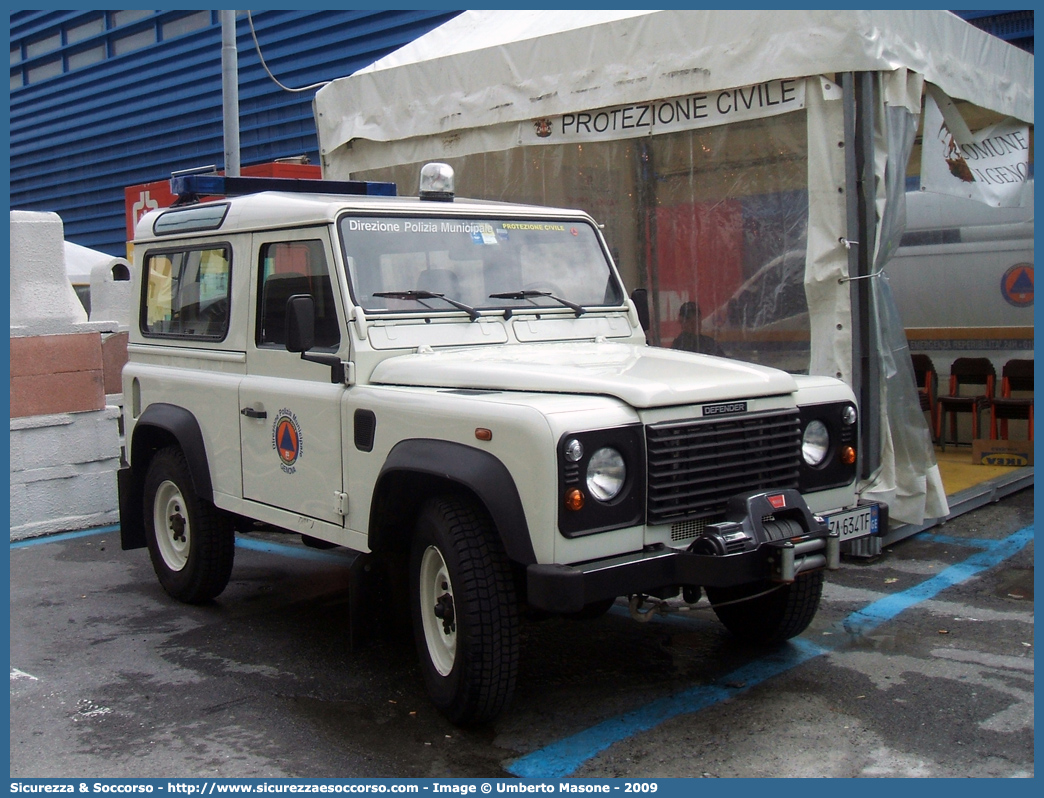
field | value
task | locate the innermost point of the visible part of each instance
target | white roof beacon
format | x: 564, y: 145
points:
x: 436, y: 182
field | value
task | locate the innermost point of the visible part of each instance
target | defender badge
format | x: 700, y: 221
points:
x: 286, y: 439
x: 725, y: 409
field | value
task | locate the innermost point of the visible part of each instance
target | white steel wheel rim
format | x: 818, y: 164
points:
x: 171, y: 522
x: 435, y: 584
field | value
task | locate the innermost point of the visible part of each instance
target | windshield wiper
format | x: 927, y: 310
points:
x: 417, y: 296
x: 577, y: 309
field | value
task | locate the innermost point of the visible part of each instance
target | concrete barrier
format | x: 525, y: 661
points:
x: 65, y: 443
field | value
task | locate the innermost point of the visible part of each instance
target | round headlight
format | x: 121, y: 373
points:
x: 815, y: 443
x: 606, y: 473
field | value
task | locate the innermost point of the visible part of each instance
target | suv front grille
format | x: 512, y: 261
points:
x: 695, y: 466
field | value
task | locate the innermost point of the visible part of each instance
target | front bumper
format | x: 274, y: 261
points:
x: 768, y: 536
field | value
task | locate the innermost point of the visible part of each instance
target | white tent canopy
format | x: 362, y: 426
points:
x: 576, y: 107
x: 490, y: 68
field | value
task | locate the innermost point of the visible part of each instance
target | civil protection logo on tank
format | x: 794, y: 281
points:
x: 1017, y: 285
x: 286, y: 439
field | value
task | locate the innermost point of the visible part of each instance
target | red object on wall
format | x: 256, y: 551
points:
x: 145, y: 197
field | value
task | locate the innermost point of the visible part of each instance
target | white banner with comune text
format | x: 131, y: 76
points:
x: 991, y: 166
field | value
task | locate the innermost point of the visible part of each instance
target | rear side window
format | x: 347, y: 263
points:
x: 186, y: 293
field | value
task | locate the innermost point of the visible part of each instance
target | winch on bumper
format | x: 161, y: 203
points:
x: 769, y: 536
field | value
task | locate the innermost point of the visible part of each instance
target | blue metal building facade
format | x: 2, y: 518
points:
x: 1015, y: 27
x: 101, y: 100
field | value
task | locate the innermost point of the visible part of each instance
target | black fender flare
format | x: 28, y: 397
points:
x: 180, y: 423
x: 154, y: 428
x: 480, y: 472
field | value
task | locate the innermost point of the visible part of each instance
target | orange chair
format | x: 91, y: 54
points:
x: 927, y: 382
x: 972, y: 381
x: 1017, y: 375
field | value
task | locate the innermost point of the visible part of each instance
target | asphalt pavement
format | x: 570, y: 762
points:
x: 919, y: 663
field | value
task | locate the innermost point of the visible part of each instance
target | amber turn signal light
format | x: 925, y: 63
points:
x: 848, y: 455
x: 574, y: 499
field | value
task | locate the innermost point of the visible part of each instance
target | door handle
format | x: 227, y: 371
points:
x: 249, y: 412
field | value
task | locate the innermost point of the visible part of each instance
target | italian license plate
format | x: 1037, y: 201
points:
x: 854, y: 523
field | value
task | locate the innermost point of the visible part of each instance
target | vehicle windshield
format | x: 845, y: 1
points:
x: 408, y: 264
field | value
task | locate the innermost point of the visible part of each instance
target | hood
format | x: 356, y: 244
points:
x: 642, y: 376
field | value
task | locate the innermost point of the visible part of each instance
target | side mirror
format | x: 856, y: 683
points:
x: 300, y: 335
x: 640, y: 297
x: 300, y: 323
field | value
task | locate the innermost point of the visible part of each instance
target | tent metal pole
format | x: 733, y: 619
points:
x: 648, y: 243
x: 862, y: 228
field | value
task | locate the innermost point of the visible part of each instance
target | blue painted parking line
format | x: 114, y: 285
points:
x: 341, y: 556
x: 873, y: 615
x: 83, y: 533
x: 565, y: 756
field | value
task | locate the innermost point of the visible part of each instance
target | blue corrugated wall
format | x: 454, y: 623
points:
x: 1015, y: 27
x: 80, y: 137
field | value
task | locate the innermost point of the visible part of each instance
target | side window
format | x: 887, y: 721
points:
x: 295, y: 267
x: 186, y: 293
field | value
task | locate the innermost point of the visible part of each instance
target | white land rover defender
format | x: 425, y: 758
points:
x: 463, y: 390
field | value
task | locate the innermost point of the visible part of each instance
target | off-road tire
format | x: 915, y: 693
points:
x: 779, y: 615
x: 191, y: 543
x: 470, y: 666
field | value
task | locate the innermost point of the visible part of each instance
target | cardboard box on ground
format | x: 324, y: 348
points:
x: 1002, y: 453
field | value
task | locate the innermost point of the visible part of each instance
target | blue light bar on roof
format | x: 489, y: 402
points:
x: 189, y: 187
